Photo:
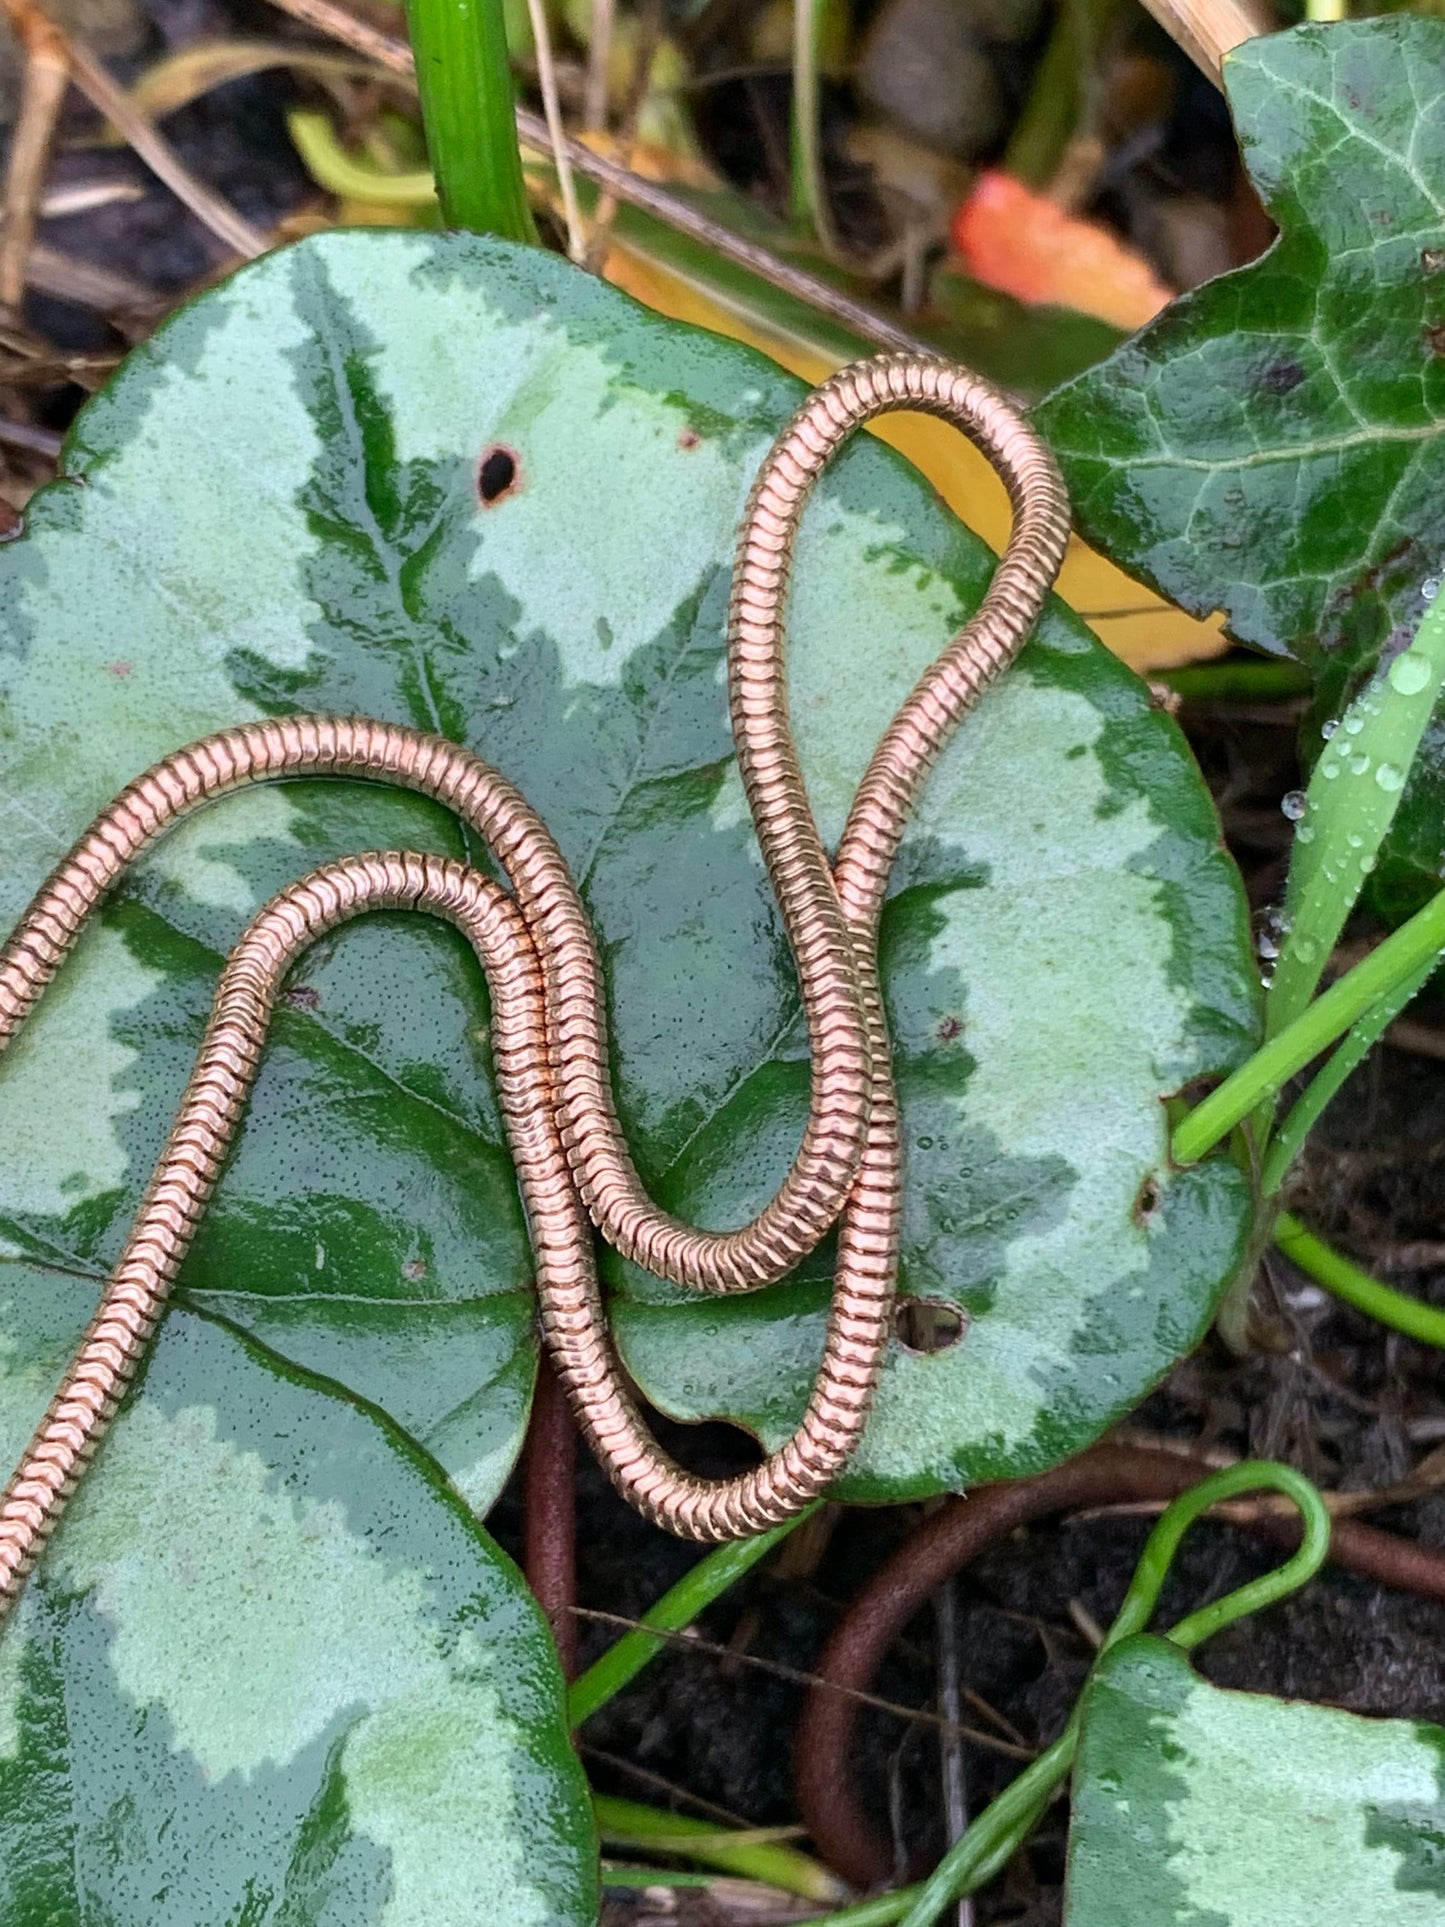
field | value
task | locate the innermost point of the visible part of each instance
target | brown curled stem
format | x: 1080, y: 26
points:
x: 549, y: 1477
x: 841, y: 1826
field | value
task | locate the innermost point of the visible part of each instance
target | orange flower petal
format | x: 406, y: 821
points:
x: 1024, y: 244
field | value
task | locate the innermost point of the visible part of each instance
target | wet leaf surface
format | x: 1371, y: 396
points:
x: 1195, y: 1807
x: 289, y: 500
x: 271, y: 1670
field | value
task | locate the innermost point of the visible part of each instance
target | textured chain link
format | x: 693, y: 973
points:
x: 549, y: 1034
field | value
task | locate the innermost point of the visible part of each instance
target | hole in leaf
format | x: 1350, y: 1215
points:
x: 928, y: 1324
x: 1148, y: 1201
x: 497, y: 474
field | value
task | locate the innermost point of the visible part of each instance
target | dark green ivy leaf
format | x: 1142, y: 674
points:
x: 1271, y: 446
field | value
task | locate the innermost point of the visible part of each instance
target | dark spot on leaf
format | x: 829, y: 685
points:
x: 926, y: 1325
x: 303, y: 997
x: 120, y: 669
x: 498, y: 474
x: 1434, y: 336
x: 949, y: 1028
x: 1280, y: 375
x: 1432, y: 259
x: 1148, y: 1200
x: 689, y: 438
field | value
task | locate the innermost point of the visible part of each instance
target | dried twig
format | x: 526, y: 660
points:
x: 659, y: 1783
x: 51, y: 272
x: 950, y: 1705
x: 649, y: 34
x: 36, y: 441
x: 42, y: 93
x: 159, y: 156
x: 599, y: 57
x: 83, y: 197
x: 556, y: 133
x: 46, y: 370
x: 30, y: 21
x: 1209, y: 29
x: 918, y: 1716
x: 329, y: 18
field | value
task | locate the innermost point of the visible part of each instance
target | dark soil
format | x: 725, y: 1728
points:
x: 1326, y: 1390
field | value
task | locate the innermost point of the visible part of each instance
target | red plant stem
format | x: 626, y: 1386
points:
x: 550, y: 1512
x: 841, y: 1826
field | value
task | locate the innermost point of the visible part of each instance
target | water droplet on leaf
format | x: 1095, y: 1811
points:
x: 1294, y: 804
x: 1389, y: 777
x: 1409, y: 673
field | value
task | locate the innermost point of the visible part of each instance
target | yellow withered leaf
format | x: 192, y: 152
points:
x: 1138, y: 625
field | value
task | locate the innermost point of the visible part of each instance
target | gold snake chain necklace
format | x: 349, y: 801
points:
x: 549, y: 1038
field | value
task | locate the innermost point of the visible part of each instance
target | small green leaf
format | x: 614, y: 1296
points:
x: 280, y: 510
x: 1195, y: 1807
x: 269, y: 1670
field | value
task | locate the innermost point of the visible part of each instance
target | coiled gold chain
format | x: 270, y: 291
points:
x: 549, y: 1035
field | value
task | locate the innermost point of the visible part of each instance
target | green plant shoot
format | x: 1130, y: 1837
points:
x: 468, y: 111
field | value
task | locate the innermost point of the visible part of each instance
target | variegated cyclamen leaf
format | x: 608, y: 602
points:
x: 270, y: 1670
x: 279, y: 508
x: 1195, y: 1807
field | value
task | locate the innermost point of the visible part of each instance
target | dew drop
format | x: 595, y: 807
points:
x: 1409, y: 673
x: 1294, y: 804
x: 1327, y: 729
x: 1430, y: 588
x: 1360, y: 766
x: 1306, y: 949
x: 1354, y: 723
x: 1367, y: 863
x: 1330, y: 767
x: 1305, y: 833
x: 1389, y: 777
